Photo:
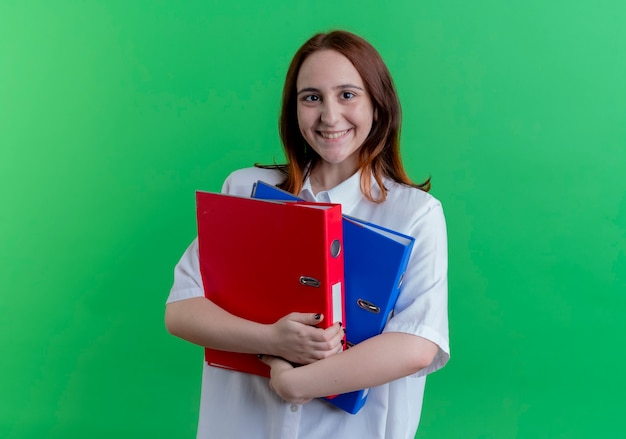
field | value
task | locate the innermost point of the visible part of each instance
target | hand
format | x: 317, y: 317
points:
x: 279, y: 371
x: 296, y: 339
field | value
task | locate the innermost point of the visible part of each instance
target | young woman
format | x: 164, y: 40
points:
x: 340, y: 126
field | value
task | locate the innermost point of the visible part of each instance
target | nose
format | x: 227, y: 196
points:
x: 330, y: 113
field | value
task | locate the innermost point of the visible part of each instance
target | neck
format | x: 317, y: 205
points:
x: 324, y: 176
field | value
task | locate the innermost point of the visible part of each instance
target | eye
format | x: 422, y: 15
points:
x: 311, y: 98
x: 347, y: 95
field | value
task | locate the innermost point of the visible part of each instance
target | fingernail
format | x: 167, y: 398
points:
x: 318, y: 316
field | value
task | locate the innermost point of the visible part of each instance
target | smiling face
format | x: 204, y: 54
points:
x: 335, y: 111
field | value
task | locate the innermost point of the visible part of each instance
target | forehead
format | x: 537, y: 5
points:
x: 327, y: 68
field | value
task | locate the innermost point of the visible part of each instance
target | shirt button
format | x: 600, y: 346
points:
x: 294, y: 408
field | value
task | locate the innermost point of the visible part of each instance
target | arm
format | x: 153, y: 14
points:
x: 293, y: 337
x: 414, y: 339
x: 192, y: 317
x: 375, y: 361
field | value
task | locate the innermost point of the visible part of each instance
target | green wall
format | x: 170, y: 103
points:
x: 112, y: 113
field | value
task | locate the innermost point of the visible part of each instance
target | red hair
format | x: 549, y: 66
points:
x: 380, y: 153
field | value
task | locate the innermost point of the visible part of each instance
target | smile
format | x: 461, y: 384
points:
x: 334, y: 135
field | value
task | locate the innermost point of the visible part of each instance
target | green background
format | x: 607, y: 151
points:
x: 112, y: 113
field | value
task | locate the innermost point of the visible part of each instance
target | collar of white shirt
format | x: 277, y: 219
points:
x: 347, y: 193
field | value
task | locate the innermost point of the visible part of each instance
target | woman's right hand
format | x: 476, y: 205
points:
x: 296, y: 339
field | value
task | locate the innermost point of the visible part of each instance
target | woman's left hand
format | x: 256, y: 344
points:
x: 279, y: 379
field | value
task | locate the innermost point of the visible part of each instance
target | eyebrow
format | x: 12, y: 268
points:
x: 339, y: 87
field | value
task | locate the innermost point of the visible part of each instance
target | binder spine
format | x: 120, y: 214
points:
x: 335, y: 264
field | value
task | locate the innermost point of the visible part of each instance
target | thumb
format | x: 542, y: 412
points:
x: 312, y: 319
x: 277, y: 364
x: 267, y: 359
x: 309, y: 319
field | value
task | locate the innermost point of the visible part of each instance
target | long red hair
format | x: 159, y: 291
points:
x: 380, y: 153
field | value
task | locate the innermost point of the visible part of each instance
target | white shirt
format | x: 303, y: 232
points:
x: 241, y: 406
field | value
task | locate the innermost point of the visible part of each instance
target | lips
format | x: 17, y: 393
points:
x: 334, y: 134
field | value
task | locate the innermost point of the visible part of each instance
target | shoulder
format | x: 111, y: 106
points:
x: 409, y: 198
x: 240, y: 181
x: 405, y: 207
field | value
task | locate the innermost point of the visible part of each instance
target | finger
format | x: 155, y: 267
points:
x: 326, y: 349
x: 335, y: 330
x: 310, y: 319
x: 327, y: 339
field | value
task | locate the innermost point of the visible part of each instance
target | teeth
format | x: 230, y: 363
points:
x: 334, y: 135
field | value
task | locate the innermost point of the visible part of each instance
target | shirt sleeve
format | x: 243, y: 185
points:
x: 422, y: 306
x: 187, y: 278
